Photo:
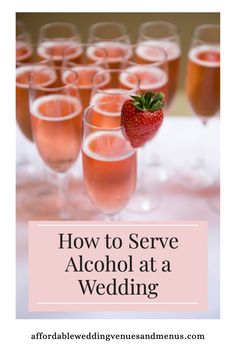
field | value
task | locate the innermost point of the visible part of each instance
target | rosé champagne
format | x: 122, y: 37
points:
x: 148, y: 52
x: 55, y: 51
x: 22, y: 94
x: 203, y: 80
x: 57, y: 129
x: 85, y: 74
x: 109, y: 166
x: 23, y: 52
x: 95, y: 53
x: 116, y: 53
x: 110, y: 116
x: 152, y: 78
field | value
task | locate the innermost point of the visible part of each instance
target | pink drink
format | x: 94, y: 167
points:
x: 203, y: 80
x: 95, y: 53
x: 23, y: 52
x: 152, y: 78
x: 109, y: 167
x: 55, y: 50
x: 22, y: 94
x: 111, y: 116
x: 145, y: 55
x: 85, y: 74
x: 57, y: 128
x: 116, y: 53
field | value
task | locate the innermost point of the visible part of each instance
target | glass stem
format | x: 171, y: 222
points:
x: 63, y: 213
x: 142, y: 169
x: 112, y: 217
x: 202, y: 159
x: 46, y: 178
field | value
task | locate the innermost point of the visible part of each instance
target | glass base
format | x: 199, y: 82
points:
x: 144, y: 201
x: 29, y: 166
x: 26, y: 173
x: 161, y: 173
x: 38, y: 200
x: 195, y: 177
x: 147, y: 197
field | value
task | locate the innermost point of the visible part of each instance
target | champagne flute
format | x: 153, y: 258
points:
x: 148, y: 52
x: 153, y: 77
x: 203, y: 92
x: 55, y: 37
x: 112, y: 92
x: 56, y: 115
x: 163, y: 35
x: 109, y: 162
x: 110, y: 86
x: 93, y: 60
x: 114, y: 37
x: 27, y: 170
x: 23, y: 54
x: 23, y: 71
x: 23, y: 43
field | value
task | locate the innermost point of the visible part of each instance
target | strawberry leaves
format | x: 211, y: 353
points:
x: 149, y: 101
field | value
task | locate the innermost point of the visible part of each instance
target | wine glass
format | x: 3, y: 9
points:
x: 27, y: 169
x: 163, y: 35
x: 109, y: 161
x: 23, y: 71
x: 203, y: 92
x: 23, y: 54
x: 93, y: 60
x: 23, y: 43
x: 113, y: 86
x: 153, y: 77
x: 148, y: 52
x: 55, y: 37
x: 107, y: 90
x: 56, y: 116
x: 114, y: 37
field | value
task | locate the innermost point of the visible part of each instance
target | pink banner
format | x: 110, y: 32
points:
x: 121, y: 266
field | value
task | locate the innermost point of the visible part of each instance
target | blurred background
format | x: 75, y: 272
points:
x: 186, y: 22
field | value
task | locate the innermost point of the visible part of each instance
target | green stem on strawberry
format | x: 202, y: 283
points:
x: 149, y: 101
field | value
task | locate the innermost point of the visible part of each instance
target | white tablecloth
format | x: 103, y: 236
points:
x: 177, y: 144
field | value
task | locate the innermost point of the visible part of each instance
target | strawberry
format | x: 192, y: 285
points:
x: 141, y: 117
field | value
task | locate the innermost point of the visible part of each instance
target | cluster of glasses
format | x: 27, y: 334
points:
x: 69, y: 97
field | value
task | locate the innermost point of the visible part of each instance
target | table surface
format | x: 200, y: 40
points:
x: 177, y: 144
